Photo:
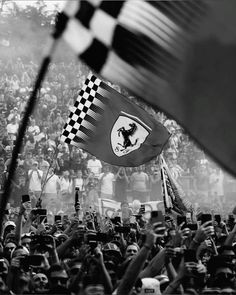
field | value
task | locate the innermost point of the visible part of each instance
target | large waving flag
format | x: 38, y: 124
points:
x: 109, y: 126
x: 173, y: 195
x: 178, y: 56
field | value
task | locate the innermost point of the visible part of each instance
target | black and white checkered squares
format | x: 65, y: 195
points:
x: 85, y: 113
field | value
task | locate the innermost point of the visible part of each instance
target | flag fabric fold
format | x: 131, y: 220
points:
x: 108, y: 125
x: 178, y: 56
x: 173, y: 195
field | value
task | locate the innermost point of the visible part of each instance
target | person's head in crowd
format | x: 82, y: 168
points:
x: 50, y: 151
x: 221, y: 273
x: 112, y: 252
x: 19, y: 251
x: 25, y: 241
x: 29, y: 155
x: 107, y: 168
x: 8, y: 248
x: 40, y: 283
x: 140, y: 168
x: 79, y: 174
x: 35, y: 165
x: 57, y: 278
x: 66, y: 174
x: 4, y: 266
x: 9, y: 227
x: 32, y: 122
x: 205, y: 255
x: 131, y: 250
x: 228, y: 253
x: 3, y: 287
x: 75, y: 267
x: 8, y: 150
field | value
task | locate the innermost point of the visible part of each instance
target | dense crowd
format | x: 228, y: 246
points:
x: 42, y: 253
x: 55, y: 239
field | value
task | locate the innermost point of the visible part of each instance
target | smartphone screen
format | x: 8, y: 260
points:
x: 25, y: 198
x: 181, y: 219
x: 157, y: 216
x: 57, y: 218
x: 117, y: 220
x: 218, y: 218
x: 190, y: 255
x: 206, y: 217
x: 35, y: 260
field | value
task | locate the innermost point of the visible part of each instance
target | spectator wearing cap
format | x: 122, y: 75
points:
x: 35, y: 179
x: 9, y: 227
x: 57, y: 278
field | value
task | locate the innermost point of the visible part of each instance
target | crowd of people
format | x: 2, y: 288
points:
x: 58, y: 242
x: 42, y: 253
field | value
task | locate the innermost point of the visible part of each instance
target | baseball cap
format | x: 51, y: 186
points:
x: 150, y: 286
x: 112, y: 249
x: 9, y: 223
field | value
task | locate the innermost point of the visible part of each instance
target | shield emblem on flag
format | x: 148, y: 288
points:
x: 128, y: 134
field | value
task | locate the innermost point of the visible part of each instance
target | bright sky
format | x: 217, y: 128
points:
x: 50, y: 3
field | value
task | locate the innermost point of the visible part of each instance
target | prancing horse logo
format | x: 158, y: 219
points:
x: 126, y: 133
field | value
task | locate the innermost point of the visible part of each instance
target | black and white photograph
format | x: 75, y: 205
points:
x: 117, y: 147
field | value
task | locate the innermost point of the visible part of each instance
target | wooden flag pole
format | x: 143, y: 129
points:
x: 24, y: 123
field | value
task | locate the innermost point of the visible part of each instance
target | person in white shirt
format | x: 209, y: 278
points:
x: 35, y: 179
x: 95, y: 166
x: 12, y: 128
x: 51, y: 192
x: 33, y: 128
x: 106, y: 183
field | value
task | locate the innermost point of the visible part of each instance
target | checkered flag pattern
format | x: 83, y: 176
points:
x: 87, y: 111
x: 117, y: 37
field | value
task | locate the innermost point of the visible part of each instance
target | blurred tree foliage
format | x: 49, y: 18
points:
x: 27, y: 28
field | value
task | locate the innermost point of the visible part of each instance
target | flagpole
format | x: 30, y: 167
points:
x: 24, y: 123
x: 165, y: 193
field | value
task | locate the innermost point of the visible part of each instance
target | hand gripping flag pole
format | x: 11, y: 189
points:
x: 28, y: 111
